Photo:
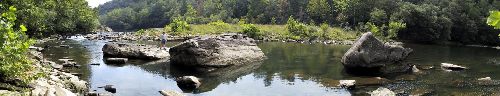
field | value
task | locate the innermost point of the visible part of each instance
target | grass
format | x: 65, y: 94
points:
x: 270, y: 32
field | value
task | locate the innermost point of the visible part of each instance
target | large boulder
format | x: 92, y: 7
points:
x: 372, y: 56
x: 134, y: 51
x: 216, y: 51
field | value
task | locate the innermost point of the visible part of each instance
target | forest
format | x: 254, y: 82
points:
x: 426, y: 21
x: 50, y: 17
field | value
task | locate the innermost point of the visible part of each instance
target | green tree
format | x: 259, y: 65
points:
x: 14, y: 63
x: 319, y: 10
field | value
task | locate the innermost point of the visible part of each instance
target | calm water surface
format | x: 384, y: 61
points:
x: 292, y: 69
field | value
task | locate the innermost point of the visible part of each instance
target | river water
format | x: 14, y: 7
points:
x: 292, y: 69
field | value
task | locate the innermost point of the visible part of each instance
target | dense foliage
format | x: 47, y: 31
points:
x: 424, y: 20
x: 47, y: 17
x: 14, y: 63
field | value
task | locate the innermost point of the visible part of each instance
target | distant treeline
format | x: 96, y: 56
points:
x: 425, y: 20
x: 48, y: 17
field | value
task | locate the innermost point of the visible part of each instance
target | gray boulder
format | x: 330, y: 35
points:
x: 216, y: 51
x: 370, y: 53
x: 133, y: 51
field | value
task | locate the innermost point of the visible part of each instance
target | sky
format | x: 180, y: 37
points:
x: 95, y: 3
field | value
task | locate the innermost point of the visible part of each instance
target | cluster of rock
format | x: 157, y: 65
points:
x: 216, y: 51
x: 370, y: 55
x: 133, y: 51
x: 57, y: 83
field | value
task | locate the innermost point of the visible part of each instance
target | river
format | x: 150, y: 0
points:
x: 292, y: 69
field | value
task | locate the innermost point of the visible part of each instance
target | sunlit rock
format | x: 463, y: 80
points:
x: 216, y: 51
x: 382, y: 92
x: 133, y: 51
x: 369, y: 55
x: 452, y: 67
x: 170, y: 93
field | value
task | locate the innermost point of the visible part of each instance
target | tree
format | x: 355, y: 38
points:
x: 319, y: 10
x: 14, y: 63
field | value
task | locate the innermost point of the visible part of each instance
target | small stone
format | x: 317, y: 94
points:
x: 348, y: 84
x: 484, y: 79
x: 109, y: 88
x: 452, y: 67
x: 415, y: 69
x: 382, y: 92
x: 170, y: 93
x: 95, y: 64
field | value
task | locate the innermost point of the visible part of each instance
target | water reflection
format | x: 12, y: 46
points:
x: 291, y: 69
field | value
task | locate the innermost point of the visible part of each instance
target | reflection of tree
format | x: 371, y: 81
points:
x: 292, y: 61
x: 77, y: 51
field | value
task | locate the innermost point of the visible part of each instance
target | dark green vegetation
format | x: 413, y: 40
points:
x: 427, y: 21
x: 48, y: 17
x: 14, y: 63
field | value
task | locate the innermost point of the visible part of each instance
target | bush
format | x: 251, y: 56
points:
x: 394, y: 28
x: 14, y: 63
x: 252, y: 31
x: 296, y: 28
x: 179, y: 26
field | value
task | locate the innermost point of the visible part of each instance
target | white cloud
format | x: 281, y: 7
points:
x: 95, y: 3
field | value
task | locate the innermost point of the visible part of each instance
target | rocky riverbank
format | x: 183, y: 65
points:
x: 56, y: 82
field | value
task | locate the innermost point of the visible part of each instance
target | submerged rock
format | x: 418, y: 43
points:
x: 216, y: 51
x: 125, y: 50
x: 370, y: 55
x: 170, y: 93
x: 381, y: 91
x: 188, y: 82
x: 452, y: 67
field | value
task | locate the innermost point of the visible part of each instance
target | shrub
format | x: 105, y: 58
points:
x: 14, y: 63
x: 179, y: 26
x: 394, y: 28
x: 296, y: 28
x: 252, y: 31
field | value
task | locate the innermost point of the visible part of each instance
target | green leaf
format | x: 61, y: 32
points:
x: 494, y: 19
x: 23, y: 28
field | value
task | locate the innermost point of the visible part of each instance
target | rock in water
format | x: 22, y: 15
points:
x: 216, y: 51
x: 382, y: 92
x: 452, y: 67
x: 116, y: 60
x: 372, y: 56
x: 348, y: 84
x: 109, y: 88
x: 188, y: 82
x: 170, y: 93
x: 125, y: 50
x: 485, y: 79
